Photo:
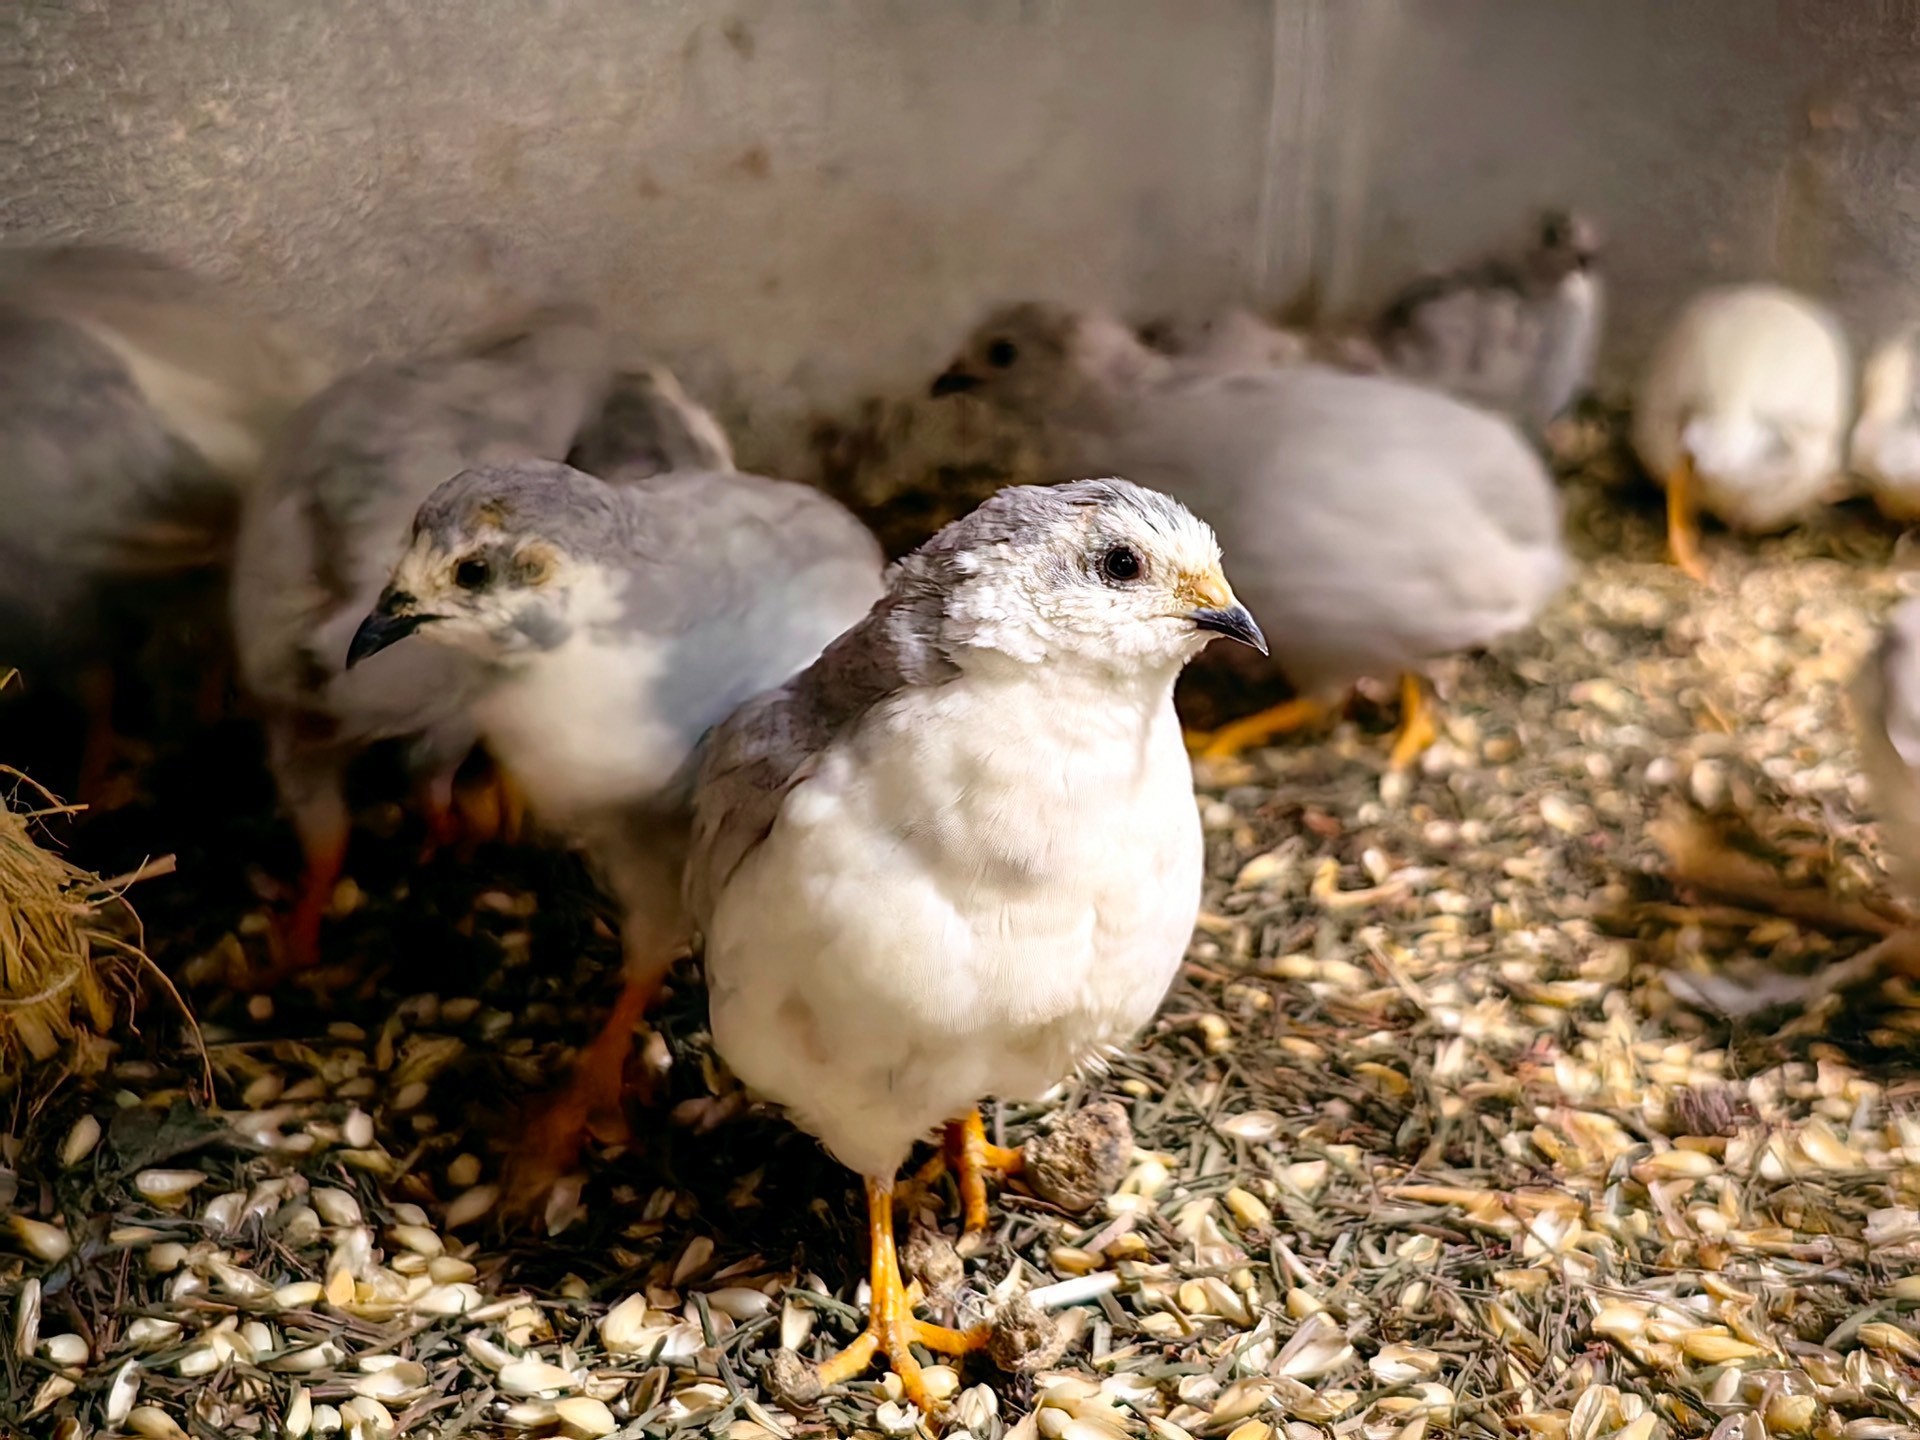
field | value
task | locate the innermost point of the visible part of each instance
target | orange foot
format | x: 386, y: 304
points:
x: 1230, y: 740
x: 892, y: 1329
x: 1417, y: 730
x: 1683, y: 521
x: 556, y: 1128
x: 296, y: 935
x: 971, y: 1158
x: 102, y: 745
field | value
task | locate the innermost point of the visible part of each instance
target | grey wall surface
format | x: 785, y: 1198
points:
x: 1715, y: 140
x: 804, y: 201
x: 815, y: 194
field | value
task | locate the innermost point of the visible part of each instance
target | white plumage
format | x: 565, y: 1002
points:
x: 1751, y: 389
x: 1032, y: 842
x: 1885, y: 450
x: 959, y: 855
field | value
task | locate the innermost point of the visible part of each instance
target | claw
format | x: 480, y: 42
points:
x: 892, y: 1330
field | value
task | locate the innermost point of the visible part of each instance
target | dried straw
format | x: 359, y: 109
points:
x: 59, y: 969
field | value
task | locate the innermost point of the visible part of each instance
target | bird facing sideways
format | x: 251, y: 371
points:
x: 613, y: 626
x: 1520, y: 337
x: 1743, y: 411
x: 959, y: 855
x: 1885, y: 448
x: 138, y: 403
x: 1378, y: 525
x: 320, y: 539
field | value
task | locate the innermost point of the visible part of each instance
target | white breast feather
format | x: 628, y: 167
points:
x: 994, y: 885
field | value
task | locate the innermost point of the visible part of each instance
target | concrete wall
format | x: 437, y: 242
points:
x: 803, y: 193
x: 1715, y: 139
x: 803, y: 201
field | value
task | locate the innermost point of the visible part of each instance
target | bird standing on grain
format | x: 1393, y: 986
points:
x: 320, y: 539
x: 614, y: 626
x: 1520, y: 337
x: 1379, y: 525
x: 959, y: 855
x: 137, y: 406
x: 1743, y: 411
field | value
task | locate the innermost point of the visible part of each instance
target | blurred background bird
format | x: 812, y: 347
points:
x: 1518, y: 336
x: 649, y: 426
x: 1884, y: 451
x: 1378, y: 525
x: 319, y: 542
x: 994, y: 750
x: 1742, y: 413
x: 1885, y: 699
x: 616, y: 625
x: 137, y: 405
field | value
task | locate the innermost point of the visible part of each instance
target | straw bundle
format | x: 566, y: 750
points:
x: 60, y: 968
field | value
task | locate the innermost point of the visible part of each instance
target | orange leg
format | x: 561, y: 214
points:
x: 972, y: 1157
x: 493, y: 809
x: 436, y: 801
x: 1230, y: 740
x: 102, y: 742
x: 1683, y: 521
x: 892, y: 1329
x: 210, y: 696
x: 298, y: 934
x: 589, y: 1104
x: 1417, y: 730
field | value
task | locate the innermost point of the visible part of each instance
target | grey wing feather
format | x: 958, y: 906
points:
x: 750, y: 763
x: 223, y: 381
x: 322, y: 534
x: 782, y: 571
x: 1371, y: 525
x: 91, y: 483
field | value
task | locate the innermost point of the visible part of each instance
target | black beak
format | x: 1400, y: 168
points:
x: 381, y: 629
x: 954, y: 381
x: 1235, y: 623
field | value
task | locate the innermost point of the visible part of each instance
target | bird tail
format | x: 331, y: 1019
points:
x: 1729, y: 444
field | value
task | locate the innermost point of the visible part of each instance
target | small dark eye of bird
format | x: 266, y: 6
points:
x: 1121, y: 564
x: 1002, y: 353
x: 473, y: 573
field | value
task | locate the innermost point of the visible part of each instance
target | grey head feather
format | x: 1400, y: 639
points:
x: 364, y: 453
x: 649, y: 426
x: 747, y: 765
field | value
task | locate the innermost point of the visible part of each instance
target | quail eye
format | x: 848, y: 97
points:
x: 1002, y: 353
x: 1121, y: 564
x: 473, y: 573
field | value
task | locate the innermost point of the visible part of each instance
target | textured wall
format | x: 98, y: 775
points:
x: 815, y: 194
x: 1717, y: 140
x: 800, y: 201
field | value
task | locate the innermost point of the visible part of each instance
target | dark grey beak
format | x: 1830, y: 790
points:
x: 1234, y: 623
x: 954, y: 381
x: 382, y: 628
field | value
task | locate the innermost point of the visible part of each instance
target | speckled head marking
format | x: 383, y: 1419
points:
x: 1102, y: 570
x: 505, y: 561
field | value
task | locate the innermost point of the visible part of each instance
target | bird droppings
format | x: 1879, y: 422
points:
x: 1082, y: 1159
x: 1464, y: 1157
